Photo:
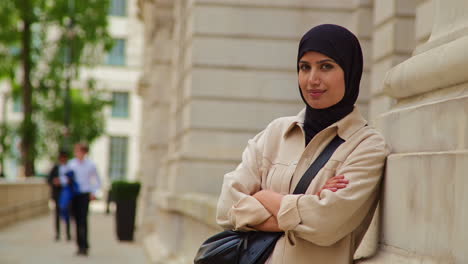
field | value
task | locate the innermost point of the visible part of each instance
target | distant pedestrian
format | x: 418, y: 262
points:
x: 56, y: 180
x: 69, y: 190
x: 87, y: 179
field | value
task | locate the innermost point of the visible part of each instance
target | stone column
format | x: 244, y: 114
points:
x: 423, y: 23
x: 392, y: 24
x: 362, y: 27
x: 425, y: 198
x: 393, y: 42
x: 154, y: 86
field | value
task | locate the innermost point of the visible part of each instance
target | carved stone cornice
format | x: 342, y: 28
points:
x: 440, y: 67
x: 439, y: 63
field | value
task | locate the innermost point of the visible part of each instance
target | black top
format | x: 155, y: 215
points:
x: 54, y: 173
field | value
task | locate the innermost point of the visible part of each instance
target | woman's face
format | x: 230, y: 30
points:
x: 321, y: 80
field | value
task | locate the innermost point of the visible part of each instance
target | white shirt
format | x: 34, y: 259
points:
x: 63, y: 168
x: 86, y: 175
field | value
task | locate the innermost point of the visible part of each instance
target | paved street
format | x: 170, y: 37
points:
x: 32, y: 242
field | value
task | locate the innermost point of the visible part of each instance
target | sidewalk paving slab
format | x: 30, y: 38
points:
x: 32, y: 242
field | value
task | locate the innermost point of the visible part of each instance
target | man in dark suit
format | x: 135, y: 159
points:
x: 56, y: 179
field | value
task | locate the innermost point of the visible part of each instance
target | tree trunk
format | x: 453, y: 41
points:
x: 3, y: 134
x: 27, y: 131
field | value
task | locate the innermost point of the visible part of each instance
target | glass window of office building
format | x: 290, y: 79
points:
x: 118, y: 158
x: 118, y: 8
x: 120, y: 104
x: 116, y: 55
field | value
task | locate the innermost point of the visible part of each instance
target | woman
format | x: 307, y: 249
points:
x: 326, y: 224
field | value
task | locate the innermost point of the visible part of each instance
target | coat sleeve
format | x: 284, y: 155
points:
x: 326, y: 219
x: 237, y: 209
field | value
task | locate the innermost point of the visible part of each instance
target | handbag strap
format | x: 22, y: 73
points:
x: 309, y: 175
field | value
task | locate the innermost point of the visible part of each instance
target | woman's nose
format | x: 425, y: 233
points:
x: 314, y: 78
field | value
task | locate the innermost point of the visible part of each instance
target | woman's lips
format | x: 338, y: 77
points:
x: 315, y: 94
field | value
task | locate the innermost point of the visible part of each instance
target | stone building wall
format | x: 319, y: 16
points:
x: 424, y: 200
x: 154, y: 89
x: 393, y: 42
x: 216, y: 72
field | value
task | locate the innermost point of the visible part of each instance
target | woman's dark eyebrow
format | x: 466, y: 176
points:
x: 325, y: 60
x: 318, y: 62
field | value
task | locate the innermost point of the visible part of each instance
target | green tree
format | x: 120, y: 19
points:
x: 87, y: 119
x: 9, y: 52
x: 48, y: 41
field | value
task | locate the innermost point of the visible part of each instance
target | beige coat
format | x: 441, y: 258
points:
x: 318, y: 230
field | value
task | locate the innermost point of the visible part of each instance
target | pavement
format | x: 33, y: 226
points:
x: 33, y: 242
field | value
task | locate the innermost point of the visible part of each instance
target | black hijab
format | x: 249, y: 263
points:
x: 343, y: 47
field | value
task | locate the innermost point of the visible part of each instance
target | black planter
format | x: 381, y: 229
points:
x: 125, y: 219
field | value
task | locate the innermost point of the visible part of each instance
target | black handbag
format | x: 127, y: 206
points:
x: 254, y: 247
x: 233, y: 247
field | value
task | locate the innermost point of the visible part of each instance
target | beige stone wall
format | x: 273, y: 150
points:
x: 22, y: 200
x: 154, y: 88
x: 424, y: 206
x: 393, y: 42
x: 424, y: 21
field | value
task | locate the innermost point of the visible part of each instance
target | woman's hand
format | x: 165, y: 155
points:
x: 56, y: 181
x: 334, y: 184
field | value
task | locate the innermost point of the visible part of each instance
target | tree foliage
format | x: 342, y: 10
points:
x: 43, y: 46
x: 87, y: 119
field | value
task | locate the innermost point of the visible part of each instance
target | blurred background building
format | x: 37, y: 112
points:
x: 117, y: 153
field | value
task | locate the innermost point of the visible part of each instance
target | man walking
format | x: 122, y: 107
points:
x: 87, y: 179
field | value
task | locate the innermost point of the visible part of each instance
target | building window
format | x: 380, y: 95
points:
x: 120, y: 105
x: 17, y: 104
x: 117, y: 55
x: 118, y: 158
x: 118, y: 8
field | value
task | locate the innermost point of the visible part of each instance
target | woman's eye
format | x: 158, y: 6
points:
x: 326, y: 66
x: 304, y: 67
